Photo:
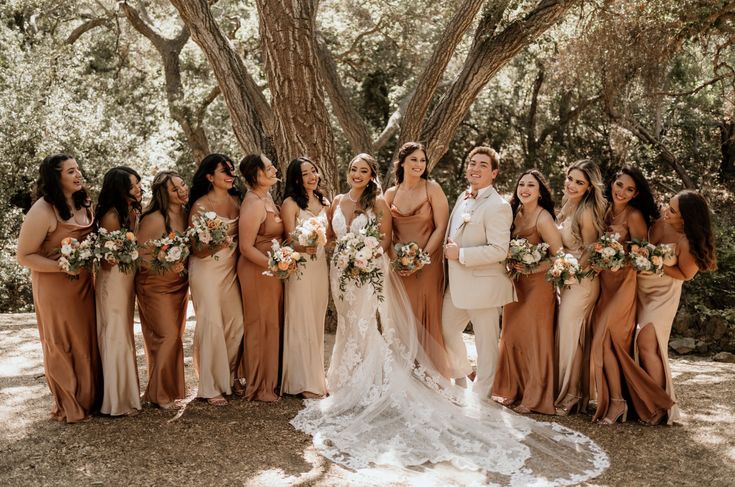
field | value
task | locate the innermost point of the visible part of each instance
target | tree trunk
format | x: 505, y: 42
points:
x: 727, y: 141
x: 302, y: 125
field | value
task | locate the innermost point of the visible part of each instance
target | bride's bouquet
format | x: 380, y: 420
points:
x: 76, y: 255
x: 525, y: 257
x: 608, y: 254
x: 209, y: 231
x: 311, y: 232
x: 119, y: 247
x: 564, y: 270
x: 647, y: 257
x: 409, y: 257
x: 283, y: 261
x: 169, y: 253
x: 358, y: 258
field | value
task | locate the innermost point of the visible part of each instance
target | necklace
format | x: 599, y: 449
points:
x: 617, y: 214
x: 349, y: 196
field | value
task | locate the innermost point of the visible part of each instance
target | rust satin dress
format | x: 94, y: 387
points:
x: 525, y: 371
x: 162, y: 302
x: 425, y: 287
x: 65, y: 311
x: 262, y: 301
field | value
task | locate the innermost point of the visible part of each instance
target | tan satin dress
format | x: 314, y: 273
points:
x: 305, y: 307
x: 162, y: 302
x: 262, y: 299
x: 613, y: 324
x: 65, y: 312
x: 576, y: 303
x: 525, y: 370
x: 215, y: 293
x: 658, y: 301
x: 115, y: 294
x: 425, y: 287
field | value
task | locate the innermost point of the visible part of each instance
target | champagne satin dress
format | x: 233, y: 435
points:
x: 215, y: 293
x: 525, y: 371
x: 305, y: 307
x: 576, y: 303
x: 262, y: 299
x: 425, y: 288
x: 613, y: 324
x: 162, y: 302
x: 115, y: 294
x: 65, y: 311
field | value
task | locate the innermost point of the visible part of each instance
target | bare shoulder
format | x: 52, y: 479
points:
x: 435, y: 189
x: 40, y: 210
x: 636, y: 217
x: 152, y: 221
x: 288, y: 204
x: 200, y: 206
x: 110, y: 220
x: 546, y: 218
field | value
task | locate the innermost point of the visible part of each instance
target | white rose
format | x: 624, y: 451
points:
x: 67, y: 250
x: 536, y: 256
x: 110, y: 245
x: 134, y: 254
x: 363, y: 254
x: 361, y: 263
x: 210, y: 215
x: 608, y: 252
x: 342, y: 262
x: 205, y: 237
x: 466, y: 217
x: 528, y: 259
x: 295, y: 256
x: 371, y: 242
x: 174, y: 254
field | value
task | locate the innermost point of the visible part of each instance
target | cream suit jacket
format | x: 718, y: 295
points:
x: 482, y: 282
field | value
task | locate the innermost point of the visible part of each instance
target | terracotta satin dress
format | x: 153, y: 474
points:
x: 162, y: 302
x: 262, y: 300
x: 576, y: 303
x: 525, y: 371
x: 215, y: 293
x: 613, y: 324
x: 425, y: 287
x: 115, y: 294
x: 65, y: 311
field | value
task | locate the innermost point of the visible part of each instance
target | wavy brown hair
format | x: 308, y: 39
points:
x: 406, y: 150
x: 372, y: 190
x: 698, y: 229
x: 159, y: 197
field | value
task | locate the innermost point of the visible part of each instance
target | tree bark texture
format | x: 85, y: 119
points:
x: 289, y: 48
x: 250, y: 114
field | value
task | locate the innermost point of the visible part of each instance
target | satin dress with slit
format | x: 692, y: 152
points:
x: 115, y: 294
x: 215, y: 293
x: 425, y: 288
x: 65, y: 311
x: 262, y: 300
x: 162, y: 303
x: 305, y: 307
x: 525, y: 371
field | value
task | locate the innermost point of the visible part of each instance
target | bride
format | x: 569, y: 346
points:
x: 389, y: 406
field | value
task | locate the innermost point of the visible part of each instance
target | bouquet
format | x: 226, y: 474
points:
x: 311, y: 233
x: 208, y: 231
x: 410, y: 257
x: 169, y: 253
x: 608, y: 253
x: 564, y: 269
x: 358, y: 257
x: 283, y: 261
x: 119, y: 247
x: 526, y: 256
x: 647, y: 257
x: 76, y: 256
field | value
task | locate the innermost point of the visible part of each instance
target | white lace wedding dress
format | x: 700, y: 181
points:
x: 388, y: 406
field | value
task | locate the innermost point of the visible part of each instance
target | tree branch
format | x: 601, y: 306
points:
x: 84, y: 28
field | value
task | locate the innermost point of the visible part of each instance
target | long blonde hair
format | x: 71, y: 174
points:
x: 594, y: 199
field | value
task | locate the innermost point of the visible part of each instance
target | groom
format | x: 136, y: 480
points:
x: 476, y: 244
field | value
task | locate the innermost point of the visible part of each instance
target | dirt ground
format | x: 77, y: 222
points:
x: 253, y: 444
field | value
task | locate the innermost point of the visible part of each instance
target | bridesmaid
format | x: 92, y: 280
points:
x: 424, y: 223
x: 262, y: 296
x: 581, y: 222
x: 306, y: 299
x: 631, y: 209
x: 686, y: 225
x: 163, y: 298
x: 118, y: 208
x: 64, y: 308
x: 215, y: 291
x: 525, y: 373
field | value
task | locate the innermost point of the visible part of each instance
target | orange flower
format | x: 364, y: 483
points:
x: 67, y: 241
x: 283, y: 265
x: 211, y: 224
x: 172, y: 235
x: 130, y: 236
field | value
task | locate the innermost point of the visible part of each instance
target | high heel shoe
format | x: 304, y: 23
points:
x: 568, y: 405
x: 622, y: 416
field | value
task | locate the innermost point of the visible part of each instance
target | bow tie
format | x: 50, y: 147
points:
x: 469, y: 195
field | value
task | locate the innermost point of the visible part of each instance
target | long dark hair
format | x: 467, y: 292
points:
x: 372, y: 190
x: 295, y: 183
x: 48, y: 186
x: 643, y: 201
x: 159, y: 197
x: 115, y: 195
x: 406, y: 150
x: 200, y: 185
x: 545, y: 201
x: 698, y: 229
x: 249, y: 167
